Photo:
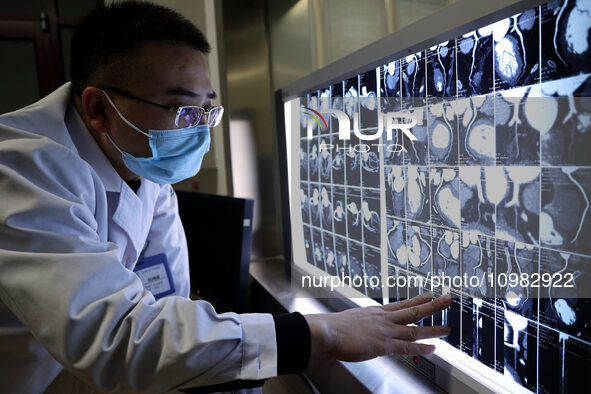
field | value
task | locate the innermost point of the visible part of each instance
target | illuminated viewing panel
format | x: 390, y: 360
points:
x: 492, y: 182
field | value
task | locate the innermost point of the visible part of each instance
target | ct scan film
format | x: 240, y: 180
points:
x: 464, y: 168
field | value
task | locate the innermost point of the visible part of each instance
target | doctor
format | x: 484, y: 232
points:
x: 85, y: 200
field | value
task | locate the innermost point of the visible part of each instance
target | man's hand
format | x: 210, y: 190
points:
x: 364, y: 333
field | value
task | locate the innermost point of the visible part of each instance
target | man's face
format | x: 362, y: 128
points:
x: 167, y: 74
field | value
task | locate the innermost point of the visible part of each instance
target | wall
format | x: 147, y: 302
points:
x: 250, y: 116
x: 307, y: 35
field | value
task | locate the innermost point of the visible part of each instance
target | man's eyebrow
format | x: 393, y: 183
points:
x: 188, y: 93
x: 181, y: 92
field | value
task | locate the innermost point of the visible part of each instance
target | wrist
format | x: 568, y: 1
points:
x: 319, y: 333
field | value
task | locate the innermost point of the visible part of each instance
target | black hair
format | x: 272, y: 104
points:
x: 106, y: 41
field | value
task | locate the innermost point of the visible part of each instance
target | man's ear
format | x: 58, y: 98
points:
x: 94, y: 105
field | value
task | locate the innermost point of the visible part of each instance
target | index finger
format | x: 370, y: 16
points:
x: 416, y: 300
x: 417, y: 313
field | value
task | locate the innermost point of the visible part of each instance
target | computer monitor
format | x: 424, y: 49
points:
x: 219, y: 236
x: 447, y: 151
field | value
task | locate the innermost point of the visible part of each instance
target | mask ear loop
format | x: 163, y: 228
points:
x: 115, y: 145
x: 123, y: 117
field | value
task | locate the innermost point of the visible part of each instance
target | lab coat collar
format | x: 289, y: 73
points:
x: 129, y: 208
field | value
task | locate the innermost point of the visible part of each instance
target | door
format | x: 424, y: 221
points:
x: 35, y: 37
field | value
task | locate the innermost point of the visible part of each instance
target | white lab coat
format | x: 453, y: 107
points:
x: 70, y: 234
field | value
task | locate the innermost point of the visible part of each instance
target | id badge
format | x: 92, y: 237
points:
x: 154, y: 273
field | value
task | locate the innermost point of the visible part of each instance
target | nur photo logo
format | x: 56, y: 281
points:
x: 317, y: 117
x: 388, y: 121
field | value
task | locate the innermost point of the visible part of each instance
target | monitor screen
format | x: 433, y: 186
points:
x: 462, y: 168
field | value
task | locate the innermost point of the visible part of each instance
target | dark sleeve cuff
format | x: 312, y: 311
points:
x: 293, y: 343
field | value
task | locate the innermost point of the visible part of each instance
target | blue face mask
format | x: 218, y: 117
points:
x: 176, y: 154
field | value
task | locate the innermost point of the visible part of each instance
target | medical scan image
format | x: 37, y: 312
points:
x: 446, y: 252
x: 443, y: 133
x: 516, y: 50
x: 315, y: 207
x: 564, y: 125
x: 517, y: 258
x: 370, y: 208
x: 395, y: 154
x: 418, y: 248
x: 397, y: 253
x: 368, y: 101
x: 478, y: 194
x: 338, y: 165
x: 520, y: 346
x: 495, y: 185
x: 342, y: 256
x: 518, y: 116
x: 351, y: 97
x: 304, y: 160
x: 352, y: 163
x: 313, y: 159
x: 478, y: 259
x: 417, y: 152
x: 339, y: 211
x: 330, y: 260
x: 356, y: 260
x: 565, y: 308
x: 475, y: 62
x: 326, y: 208
x: 476, y: 130
x: 395, y: 196
x: 325, y: 160
x: 417, y: 194
x: 478, y: 326
x: 370, y: 168
x: 441, y: 70
x: 518, y: 211
x: 354, y: 214
x: 413, y: 76
x: 564, y: 46
x: 317, y: 250
x: 445, y: 196
x: 390, y: 87
x: 372, y: 270
x: 565, y: 220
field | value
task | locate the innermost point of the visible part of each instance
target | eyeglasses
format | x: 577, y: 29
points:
x: 186, y: 116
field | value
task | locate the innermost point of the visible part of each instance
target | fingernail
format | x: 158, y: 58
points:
x: 446, y: 299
